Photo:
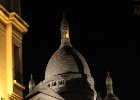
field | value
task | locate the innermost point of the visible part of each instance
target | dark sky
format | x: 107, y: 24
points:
x: 104, y: 32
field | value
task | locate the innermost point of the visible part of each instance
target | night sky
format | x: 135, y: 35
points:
x: 105, y: 32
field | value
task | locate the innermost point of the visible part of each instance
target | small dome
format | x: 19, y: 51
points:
x: 66, y: 60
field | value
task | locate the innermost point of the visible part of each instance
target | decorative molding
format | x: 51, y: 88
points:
x: 18, y: 22
x: 15, y: 97
x: 13, y: 18
x: 19, y: 85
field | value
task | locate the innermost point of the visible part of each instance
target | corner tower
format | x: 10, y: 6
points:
x: 12, y: 29
x: 67, y: 74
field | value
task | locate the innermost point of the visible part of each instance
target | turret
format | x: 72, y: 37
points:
x: 109, y: 84
x: 64, y: 28
x: 65, y: 38
x: 110, y: 95
x: 31, y: 83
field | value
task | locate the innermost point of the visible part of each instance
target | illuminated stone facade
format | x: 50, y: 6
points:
x: 12, y: 28
x: 67, y: 75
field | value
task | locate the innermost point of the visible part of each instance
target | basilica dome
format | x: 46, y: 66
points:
x: 66, y: 60
x: 67, y: 72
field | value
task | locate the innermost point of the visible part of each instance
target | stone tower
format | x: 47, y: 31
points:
x: 67, y: 75
x: 12, y: 29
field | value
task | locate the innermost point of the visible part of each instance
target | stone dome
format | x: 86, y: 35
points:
x: 66, y: 60
x: 67, y: 72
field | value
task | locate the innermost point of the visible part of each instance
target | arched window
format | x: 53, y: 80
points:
x: 60, y: 82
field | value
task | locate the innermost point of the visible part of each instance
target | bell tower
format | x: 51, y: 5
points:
x: 12, y: 29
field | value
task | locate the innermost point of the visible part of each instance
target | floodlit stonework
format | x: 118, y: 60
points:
x: 67, y: 75
x: 12, y: 28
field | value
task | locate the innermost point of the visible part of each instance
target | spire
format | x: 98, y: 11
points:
x: 108, y: 79
x: 64, y: 23
x: 65, y: 40
x: 64, y: 28
x: 31, y: 83
x: 99, y: 96
x: 109, y: 84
